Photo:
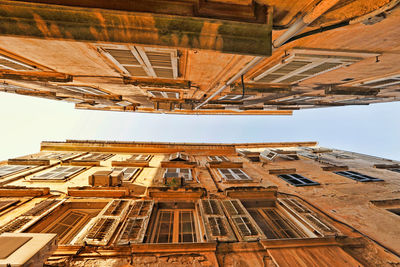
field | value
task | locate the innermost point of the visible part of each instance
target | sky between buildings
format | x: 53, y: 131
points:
x: 26, y: 121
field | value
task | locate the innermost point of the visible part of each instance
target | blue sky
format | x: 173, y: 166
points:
x: 26, y: 121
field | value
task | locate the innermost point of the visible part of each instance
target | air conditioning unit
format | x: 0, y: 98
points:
x: 26, y: 249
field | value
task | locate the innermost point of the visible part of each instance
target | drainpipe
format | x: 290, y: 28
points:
x: 298, y: 26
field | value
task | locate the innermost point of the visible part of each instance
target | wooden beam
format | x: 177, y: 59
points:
x: 42, y: 76
x: 158, y: 83
x: 63, y: 22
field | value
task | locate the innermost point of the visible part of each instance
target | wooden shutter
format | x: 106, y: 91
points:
x: 215, y: 222
x: 42, y: 207
x: 244, y: 225
x: 139, y: 157
x: 59, y: 173
x: 185, y: 173
x: 128, y: 172
x: 15, y: 225
x: 161, y: 62
x: 268, y: 154
x: 312, y: 219
x: 11, y: 169
x: 4, y: 204
x: 128, y: 61
x: 117, y: 207
x: 84, y: 90
x: 135, y: 226
x: 303, y: 64
x: 13, y: 64
x: 103, y: 226
x: 97, y: 157
x: 386, y: 82
x: 101, y: 230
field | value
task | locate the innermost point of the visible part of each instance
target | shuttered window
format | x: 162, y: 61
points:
x: 84, y: 90
x: 245, y: 226
x: 233, y: 97
x: 140, y: 61
x: 304, y: 64
x: 96, y: 157
x: 386, y: 82
x: 217, y: 158
x: 230, y: 175
x: 318, y: 224
x: 40, y: 209
x: 164, y: 94
x: 358, y: 176
x: 274, y: 224
x: 139, y: 157
x: 178, y: 157
x: 59, y: 173
x: 175, y: 226
x: 186, y: 173
x: 394, y: 169
x: 268, y: 154
x: 12, y: 169
x: 13, y: 64
x: 67, y: 223
x: 297, y: 180
x: 54, y: 155
x: 129, y: 173
x: 215, y: 222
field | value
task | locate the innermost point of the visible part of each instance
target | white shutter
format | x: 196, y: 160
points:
x: 303, y: 64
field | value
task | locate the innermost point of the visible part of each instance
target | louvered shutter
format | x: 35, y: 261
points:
x: 103, y: 226
x: 13, y: 64
x: 245, y: 227
x: 59, y: 173
x: 128, y: 61
x: 234, y: 175
x: 84, y: 90
x: 128, y: 172
x: 31, y: 216
x: 304, y: 64
x: 4, y: 204
x: 135, y: 226
x: 215, y: 222
x: 311, y: 218
x: 11, y: 169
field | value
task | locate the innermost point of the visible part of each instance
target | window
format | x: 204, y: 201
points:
x: 230, y: 175
x: 96, y: 157
x: 241, y: 220
x: 302, y: 64
x: 383, y: 82
x: 22, y: 222
x: 59, y: 173
x: 185, y: 173
x: 54, y: 155
x: 297, y: 180
x: 298, y: 99
x: 144, y: 61
x: 129, y: 173
x: 13, y: 64
x: 84, y: 90
x: 5, y: 204
x: 164, y: 94
x: 358, y: 176
x: 218, y: 158
x: 139, y: 157
x: 274, y: 224
x: 12, y: 169
x: 175, y: 226
x: 357, y: 100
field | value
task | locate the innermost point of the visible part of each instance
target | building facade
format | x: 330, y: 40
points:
x: 202, y: 57
x: 188, y: 204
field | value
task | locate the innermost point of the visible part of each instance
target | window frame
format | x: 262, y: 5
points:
x: 299, y: 179
x: 361, y: 177
x: 236, y: 177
